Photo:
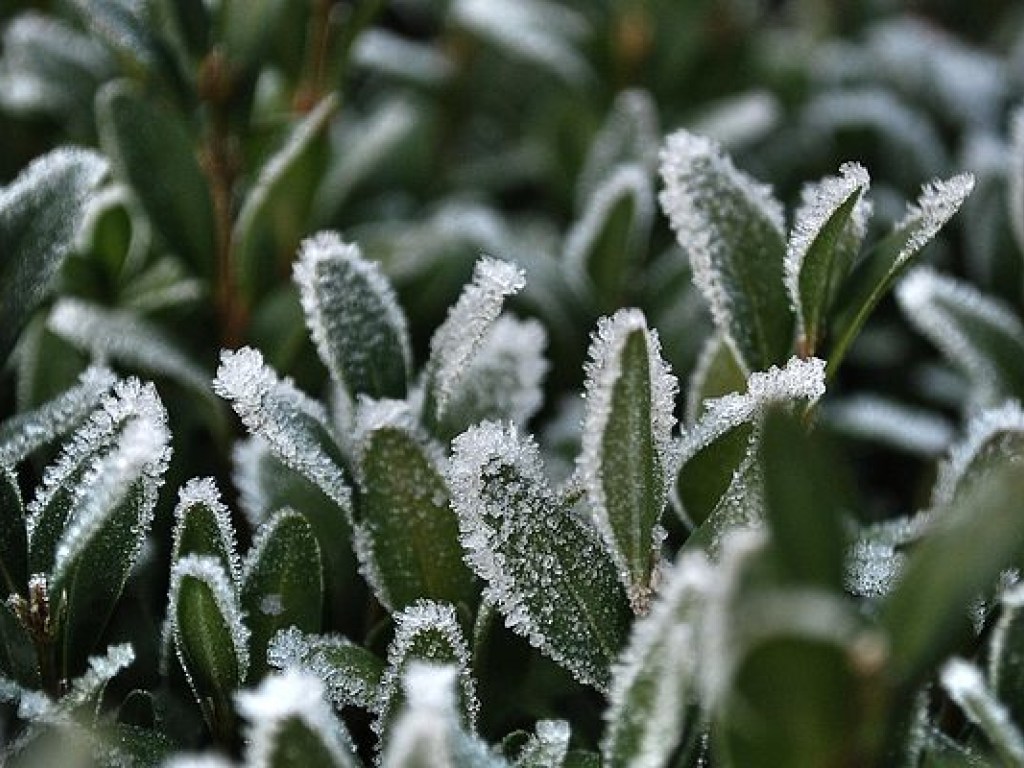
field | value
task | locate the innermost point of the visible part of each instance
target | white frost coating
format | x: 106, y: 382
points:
x: 535, y: 30
x: 1012, y: 600
x: 818, y: 203
x: 318, y: 292
x: 1015, y: 173
x: 694, y: 169
x: 983, y: 430
x: 926, y: 298
x: 938, y: 202
x: 386, y: 52
x: 425, y: 726
x: 662, y: 654
x: 799, y: 380
x: 210, y: 571
x: 203, y: 492
x: 197, y: 761
x: 603, y: 371
x: 872, y: 568
x: 966, y: 686
x: 120, y: 335
x: 437, y: 626
x: 739, y: 120
x: 280, y: 699
x: 626, y: 181
x: 293, y: 649
x: 630, y: 134
x: 274, y: 410
x: 102, y: 669
x: 877, y: 418
x: 246, y: 474
x: 140, y: 454
x: 26, y: 432
x: 262, y: 538
x: 460, y: 336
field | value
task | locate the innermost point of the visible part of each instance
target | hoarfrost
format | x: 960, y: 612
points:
x: 1015, y: 175
x: 247, y: 475
x: 210, y: 571
x: 938, y: 201
x: 388, y: 53
x: 203, y: 492
x: 966, y: 686
x: 26, y: 432
x: 549, y: 747
x: 101, y: 670
x: 460, y: 336
x: 278, y: 413
x: 877, y: 418
x: 290, y: 696
x: 630, y: 134
x: 740, y: 120
x: 931, y: 303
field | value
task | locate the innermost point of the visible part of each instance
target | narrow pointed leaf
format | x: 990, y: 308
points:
x: 282, y: 583
x: 875, y: 274
x: 40, y: 211
x: 732, y: 229
x: 1005, y: 657
x: 292, y: 425
x: 202, y: 526
x: 825, y: 241
x: 13, y: 537
x: 712, y: 449
x: 246, y: 27
x: 965, y: 684
x: 457, y: 341
x: 351, y: 674
x: 154, y: 154
x: 407, y: 536
x: 627, y: 457
x: 979, y: 334
x: 291, y: 725
x: 716, y: 374
x: 545, y: 569
x: 354, y: 318
x: 25, y: 433
x: 655, y: 679
x: 210, y: 640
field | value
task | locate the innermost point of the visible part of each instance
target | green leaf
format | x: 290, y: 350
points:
x: 210, y: 638
x: 629, y: 135
x: 979, y: 334
x: 40, y: 211
x: 246, y: 27
x: 202, y: 526
x: 13, y: 538
x: 656, y: 678
x: 875, y: 274
x: 154, y: 154
x: 354, y: 318
x: 1006, y: 653
x: 406, y: 535
x: 732, y: 229
x: 627, y: 454
x: 802, y: 503
x: 282, y: 583
x: 276, y: 209
x: 545, y: 569
x: 716, y: 374
x: 926, y: 612
x: 741, y: 507
x: 18, y: 660
x: 351, y: 674
x: 128, y: 29
x: 826, y: 238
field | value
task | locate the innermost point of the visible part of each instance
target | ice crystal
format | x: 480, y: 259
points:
x: 203, y: 492
x: 291, y: 696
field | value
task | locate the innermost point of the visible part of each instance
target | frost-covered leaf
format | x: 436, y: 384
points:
x: 655, y: 679
x: 823, y: 245
x: 732, y: 229
x: 890, y: 423
x: 111, y: 334
x: 282, y: 583
x: 128, y: 28
x: 740, y: 507
x: 291, y: 725
x: 354, y: 318
x: 202, y: 526
x: 539, y: 31
x: 713, y: 448
x: 292, y: 425
x: 1015, y: 176
x: 630, y: 134
x: 426, y: 631
x: 428, y: 731
x: 13, y: 536
x: 1005, y: 661
x: 872, y: 277
x: 154, y: 154
x: 607, y: 242
x: 390, y: 54
x: 460, y: 337
x: 40, y: 212
x: 504, y: 380
x: 279, y: 189
x: 88, y: 688
x: 406, y: 534
x: 23, y: 434
x: 717, y: 373
x: 979, y: 334
x: 966, y: 686
x: 737, y: 122
x: 351, y: 674
x: 548, y: 748
x: 210, y: 638
x: 545, y: 569
x: 627, y: 457
x: 876, y: 558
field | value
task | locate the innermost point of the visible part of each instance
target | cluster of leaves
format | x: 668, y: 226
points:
x: 483, y: 524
